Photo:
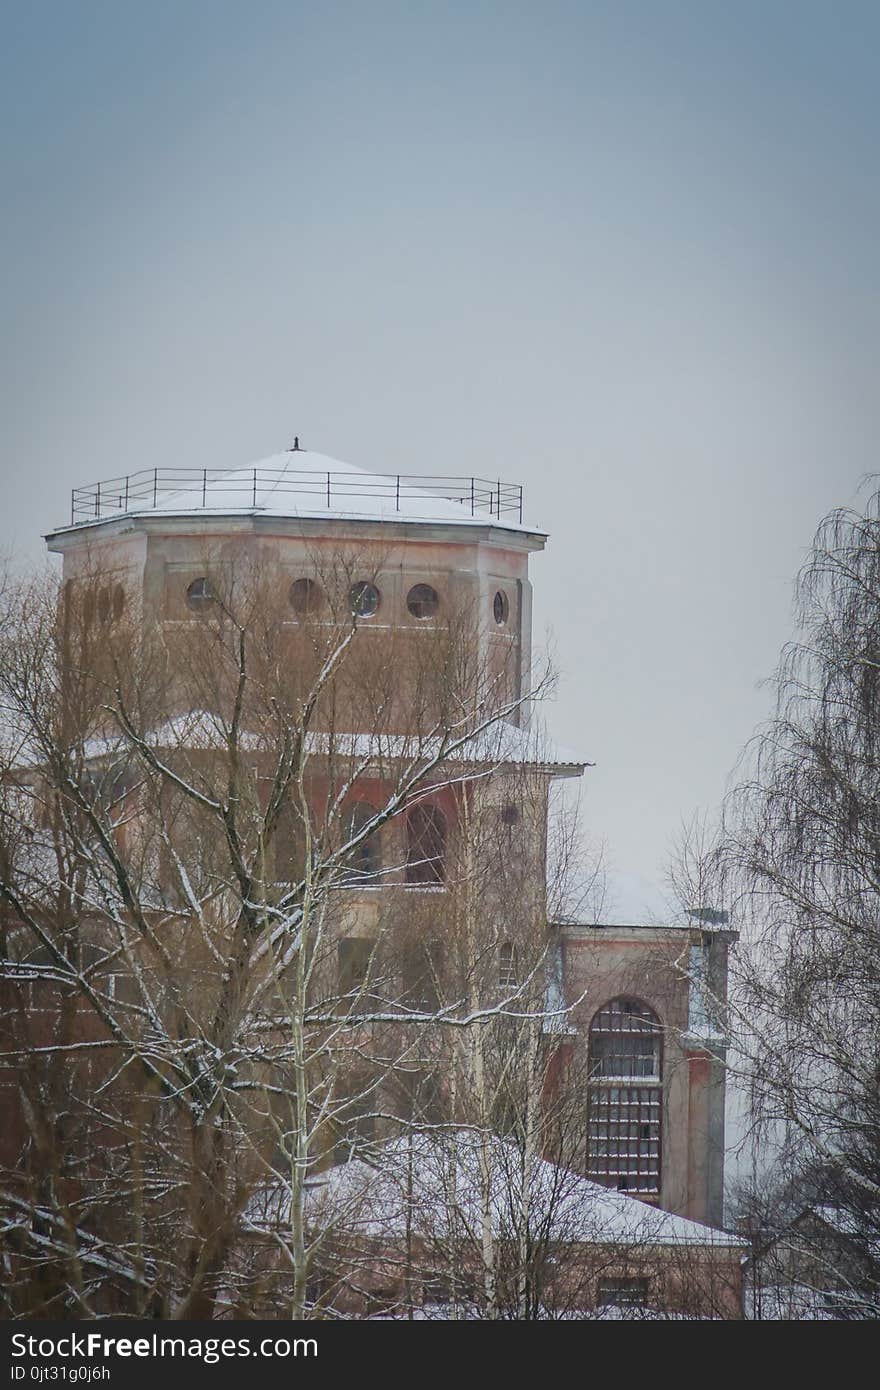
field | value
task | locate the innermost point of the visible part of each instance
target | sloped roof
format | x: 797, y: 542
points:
x: 294, y: 483
x: 300, y: 483
x: 443, y: 1176
x: 500, y: 744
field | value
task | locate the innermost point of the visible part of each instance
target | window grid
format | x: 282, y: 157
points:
x: 508, y: 966
x: 624, y: 1120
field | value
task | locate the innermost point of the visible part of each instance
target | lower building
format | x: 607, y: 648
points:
x: 464, y: 1225
x: 647, y: 1014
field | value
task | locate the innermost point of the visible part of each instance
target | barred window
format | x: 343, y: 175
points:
x: 508, y: 966
x: 625, y: 1097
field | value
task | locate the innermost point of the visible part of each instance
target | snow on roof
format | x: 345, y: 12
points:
x: 301, y: 483
x: 500, y: 744
x: 443, y: 1175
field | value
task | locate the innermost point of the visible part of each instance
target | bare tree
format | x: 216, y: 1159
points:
x: 802, y: 854
x: 195, y: 817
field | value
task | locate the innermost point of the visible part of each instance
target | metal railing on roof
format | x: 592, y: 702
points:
x: 195, y: 489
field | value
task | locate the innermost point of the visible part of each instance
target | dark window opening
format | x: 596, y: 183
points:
x: 623, y: 1293
x: 426, y: 845
x: 364, y: 860
x: 364, y: 599
x: 200, y: 594
x: 419, y: 1097
x: 353, y: 955
x: 449, y: 1287
x: 422, y: 601
x: 500, y: 608
x: 289, y: 846
x: 382, y: 1302
x: 355, y: 1116
x: 421, y: 975
x: 305, y: 597
x: 510, y: 814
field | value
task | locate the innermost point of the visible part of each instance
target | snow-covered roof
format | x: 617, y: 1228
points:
x: 443, y: 1176
x: 501, y: 744
x: 300, y: 483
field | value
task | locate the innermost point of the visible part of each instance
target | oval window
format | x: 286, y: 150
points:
x: 364, y: 599
x: 500, y: 608
x: 305, y: 596
x: 200, y: 593
x: 422, y: 601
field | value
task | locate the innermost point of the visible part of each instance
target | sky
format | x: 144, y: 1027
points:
x: 624, y: 254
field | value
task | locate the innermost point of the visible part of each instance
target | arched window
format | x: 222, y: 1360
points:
x: 625, y: 1100
x: 426, y: 845
x: 364, y: 861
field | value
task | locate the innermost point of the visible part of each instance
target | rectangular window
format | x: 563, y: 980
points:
x: 355, y: 1116
x: 422, y: 970
x: 623, y: 1144
x: 508, y: 972
x: 289, y: 847
x: 419, y: 1097
x: 623, y: 1293
x: 625, y: 1055
x: 353, y: 954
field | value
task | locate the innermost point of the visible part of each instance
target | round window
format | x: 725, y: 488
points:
x: 200, y: 593
x: 304, y: 596
x: 422, y: 601
x: 364, y: 599
x: 500, y: 608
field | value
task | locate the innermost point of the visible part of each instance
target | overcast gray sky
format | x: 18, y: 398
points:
x: 623, y: 253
